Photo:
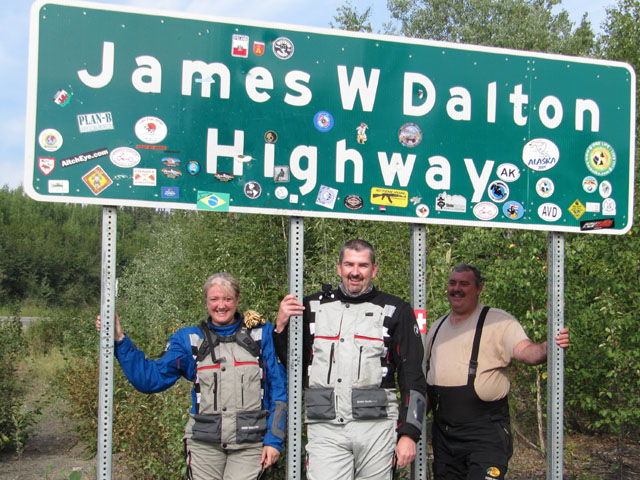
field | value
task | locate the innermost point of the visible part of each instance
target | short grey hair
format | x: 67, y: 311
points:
x: 225, y: 280
x: 359, y: 246
x: 464, y: 267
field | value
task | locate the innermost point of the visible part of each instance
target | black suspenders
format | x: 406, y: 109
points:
x: 473, y: 362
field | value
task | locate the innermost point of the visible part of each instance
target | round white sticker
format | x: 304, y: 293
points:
x: 151, y: 129
x: 50, y: 139
x: 545, y: 187
x: 540, y: 154
x: 281, y: 193
x: 605, y: 189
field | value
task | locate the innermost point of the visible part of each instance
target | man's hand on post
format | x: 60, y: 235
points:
x: 289, y: 306
x: 405, y: 450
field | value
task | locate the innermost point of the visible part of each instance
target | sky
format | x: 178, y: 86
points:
x: 14, y: 40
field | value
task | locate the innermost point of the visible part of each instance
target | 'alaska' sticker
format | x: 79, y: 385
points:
x: 540, y: 154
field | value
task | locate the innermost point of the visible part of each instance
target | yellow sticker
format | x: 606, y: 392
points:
x: 577, y: 209
x: 97, y: 180
x: 389, y: 197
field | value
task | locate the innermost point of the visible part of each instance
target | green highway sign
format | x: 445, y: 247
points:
x: 173, y: 110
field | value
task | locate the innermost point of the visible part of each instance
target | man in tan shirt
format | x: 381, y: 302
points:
x: 468, y: 356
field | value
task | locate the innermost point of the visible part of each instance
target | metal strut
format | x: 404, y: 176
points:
x: 107, y: 318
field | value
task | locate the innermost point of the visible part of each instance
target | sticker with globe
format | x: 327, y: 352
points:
x: 600, y: 158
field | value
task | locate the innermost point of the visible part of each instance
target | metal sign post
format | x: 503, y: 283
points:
x: 420, y: 467
x: 294, y: 362
x: 555, y: 356
x: 107, y: 317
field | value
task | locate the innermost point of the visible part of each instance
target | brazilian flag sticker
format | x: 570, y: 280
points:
x: 213, y: 201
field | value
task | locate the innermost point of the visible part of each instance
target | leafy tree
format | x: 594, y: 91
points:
x: 348, y: 18
x: 520, y: 24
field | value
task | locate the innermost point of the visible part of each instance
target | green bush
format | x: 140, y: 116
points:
x: 12, y: 350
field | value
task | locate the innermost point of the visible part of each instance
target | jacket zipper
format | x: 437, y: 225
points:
x: 359, y: 362
x: 242, y: 390
x: 215, y: 391
x: 330, y: 363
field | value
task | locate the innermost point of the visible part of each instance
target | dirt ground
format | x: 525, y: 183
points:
x: 53, y: 452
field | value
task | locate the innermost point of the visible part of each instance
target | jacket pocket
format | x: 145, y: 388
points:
x: 320, y: 403
x: 251, y: 427
x: 207, y: 428
x: 368, y: 403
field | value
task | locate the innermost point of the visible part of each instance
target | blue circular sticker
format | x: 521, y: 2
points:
x: 193, y: 167
x: 323, y: 121
x: 513, y: 210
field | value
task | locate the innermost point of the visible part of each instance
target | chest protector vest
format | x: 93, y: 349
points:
x: 348, y: 364
x: 228, y: 388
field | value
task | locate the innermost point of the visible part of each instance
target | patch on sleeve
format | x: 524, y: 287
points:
x: 312, y: 328
x: 167, y: 346
x: 314, y: 305
x: 389, y: 310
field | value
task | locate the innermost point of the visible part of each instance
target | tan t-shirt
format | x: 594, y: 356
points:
x: 452, y: 351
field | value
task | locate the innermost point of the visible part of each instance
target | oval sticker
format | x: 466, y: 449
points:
x: 124, y: 157
x: 485, y: 211
x: 540, y: 154
x: 549, y: 212
x: 508, y: 172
